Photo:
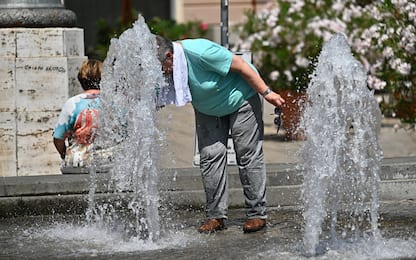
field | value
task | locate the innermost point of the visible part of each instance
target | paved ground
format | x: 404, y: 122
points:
x: 395, y: 139
x: 68, y: 237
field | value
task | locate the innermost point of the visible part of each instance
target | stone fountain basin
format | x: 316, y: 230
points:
x: 68, y: 193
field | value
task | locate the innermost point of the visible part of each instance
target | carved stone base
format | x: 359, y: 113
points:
x: 36, y: 17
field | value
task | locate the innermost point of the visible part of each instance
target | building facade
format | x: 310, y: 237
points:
x: 208, y: 11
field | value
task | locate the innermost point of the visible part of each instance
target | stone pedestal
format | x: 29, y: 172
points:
x: 38, y: 73
x: 35, y: 14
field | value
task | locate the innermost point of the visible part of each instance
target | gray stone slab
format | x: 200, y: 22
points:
x: 8, y: 39
x: 183, y: 187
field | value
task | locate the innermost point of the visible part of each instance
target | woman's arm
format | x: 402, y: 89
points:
x: 60, y: 147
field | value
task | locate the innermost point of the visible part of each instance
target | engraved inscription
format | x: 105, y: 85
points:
x: 58, y: 69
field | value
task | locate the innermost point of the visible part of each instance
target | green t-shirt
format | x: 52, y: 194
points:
x: 215, y: 90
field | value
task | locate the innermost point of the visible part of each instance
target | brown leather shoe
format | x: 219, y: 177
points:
x: 253, y: 225
x: 211, y: 225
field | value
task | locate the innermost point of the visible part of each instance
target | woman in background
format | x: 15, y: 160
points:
x: 78, y: 120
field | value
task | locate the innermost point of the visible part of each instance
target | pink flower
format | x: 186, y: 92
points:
x: 203, y: 26
x: 375, y: 83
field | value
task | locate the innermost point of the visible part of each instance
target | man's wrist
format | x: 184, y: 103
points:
x: 266, y: 92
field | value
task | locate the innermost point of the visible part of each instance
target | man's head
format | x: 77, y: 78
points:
x: 89, y: 74
x: 165, y: 54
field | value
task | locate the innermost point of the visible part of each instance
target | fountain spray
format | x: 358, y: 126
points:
x: 128, y: 138
x: 341, y: 156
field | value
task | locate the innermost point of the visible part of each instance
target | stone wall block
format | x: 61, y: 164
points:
x: 36, y: 154
x: 35, y: 122
x: 35, y: 145
x: 7, y: 80
x: 74, y: 87
x: 45, y: 42
x: 73, y: 42
x: 41, y: 84
x: 8, y: 43
x: 8, y: 143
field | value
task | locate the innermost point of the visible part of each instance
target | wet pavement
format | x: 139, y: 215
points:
x: 70, y: 237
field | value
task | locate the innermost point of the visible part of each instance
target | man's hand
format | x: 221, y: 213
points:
x: 274, y: 99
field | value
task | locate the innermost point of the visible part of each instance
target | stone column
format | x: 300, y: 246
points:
x: 38, y: 70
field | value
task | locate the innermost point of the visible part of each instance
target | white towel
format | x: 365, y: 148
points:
x: 179, y: 94
x: 180, y: 76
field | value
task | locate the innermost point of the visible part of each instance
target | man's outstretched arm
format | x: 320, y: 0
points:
x: 256, y: 82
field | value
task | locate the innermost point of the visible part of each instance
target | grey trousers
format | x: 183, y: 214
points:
x: 247, y: 131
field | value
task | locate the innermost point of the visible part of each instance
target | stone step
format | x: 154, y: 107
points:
x: 183, y: 187
x: 186, y: 179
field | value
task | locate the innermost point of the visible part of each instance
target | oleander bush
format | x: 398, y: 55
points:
x: 287, y: 36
